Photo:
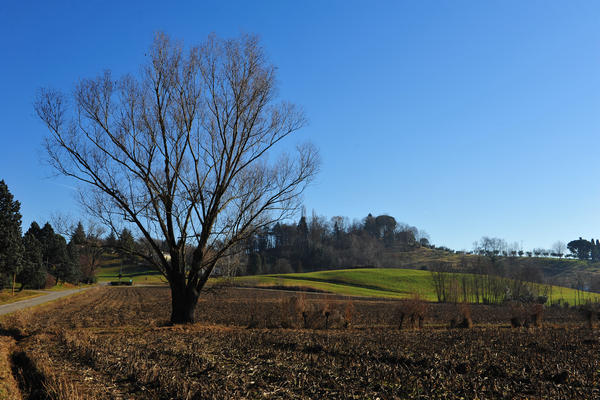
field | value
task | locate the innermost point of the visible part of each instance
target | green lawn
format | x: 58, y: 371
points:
x: 376, y: 282
x: 137, y: 273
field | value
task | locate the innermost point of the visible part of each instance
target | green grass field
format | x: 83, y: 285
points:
x: 370, y: 282
x: 377, y: 282
x: 112, y: 265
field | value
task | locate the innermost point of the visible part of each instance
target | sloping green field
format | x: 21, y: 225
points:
x: 378, y: 282
x: 112, y: 265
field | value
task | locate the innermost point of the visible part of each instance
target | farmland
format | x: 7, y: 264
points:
x: 115, y: 343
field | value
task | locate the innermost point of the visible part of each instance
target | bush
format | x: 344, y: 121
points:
x: 590, y: 313
x: 463, y: 318
x: 412, y: 312
x: 526, y: 316
x: 297, y: 312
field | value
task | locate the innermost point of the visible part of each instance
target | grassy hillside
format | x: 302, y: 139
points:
x: 112, y: 265
x: 375, y: 282
x: 372, y: 282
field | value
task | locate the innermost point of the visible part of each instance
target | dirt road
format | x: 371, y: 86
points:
x: 19, y: 305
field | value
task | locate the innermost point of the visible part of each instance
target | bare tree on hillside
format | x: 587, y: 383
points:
x: 559, y: 248
x: 179, y: 152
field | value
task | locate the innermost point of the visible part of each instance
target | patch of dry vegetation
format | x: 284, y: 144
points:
x: 7, y: 296
x: 8, y: 386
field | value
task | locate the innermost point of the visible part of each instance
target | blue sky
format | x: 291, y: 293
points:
x: 463, y: 118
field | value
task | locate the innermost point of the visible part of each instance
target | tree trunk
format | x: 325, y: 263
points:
x: 183, y: 303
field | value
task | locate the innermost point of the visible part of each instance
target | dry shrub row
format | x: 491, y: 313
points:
x: 463, y: 319
x: 298, y: 312
x: 412, y: 312
x: 526, y: 315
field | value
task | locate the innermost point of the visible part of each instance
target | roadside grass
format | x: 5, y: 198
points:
x: 384, y: 283
x: 9, y: 389
x: 6, y: 296
x: 66, y: 286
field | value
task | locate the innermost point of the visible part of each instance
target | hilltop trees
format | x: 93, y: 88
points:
x: 178, y: 154
x: 315, y: 243
x: 581, y: 248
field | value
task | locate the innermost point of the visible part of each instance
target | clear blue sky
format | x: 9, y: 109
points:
x: 462, y: 118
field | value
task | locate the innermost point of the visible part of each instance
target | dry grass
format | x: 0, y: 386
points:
x: 9, y: 389
x: 6, y: 295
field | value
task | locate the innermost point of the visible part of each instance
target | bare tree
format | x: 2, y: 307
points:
x: 179, y: 153
x: 559, y: 248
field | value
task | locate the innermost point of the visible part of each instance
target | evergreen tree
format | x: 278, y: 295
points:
x: 11, y: 247
x: 302, y: 230
x: 254, y: 264
x: 55, y: 254
x: 111, y: 241
x: 71, y: 270
x: 78, y: 237
x: 33, y: 273
x: 370, y: 226
x: 126, y: 245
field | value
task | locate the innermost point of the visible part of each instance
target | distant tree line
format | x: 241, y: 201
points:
x: 317, y: 243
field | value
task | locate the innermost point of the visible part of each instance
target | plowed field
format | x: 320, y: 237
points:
x: 114, y: 343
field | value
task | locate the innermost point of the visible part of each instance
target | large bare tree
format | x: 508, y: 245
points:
x: 180, y: 152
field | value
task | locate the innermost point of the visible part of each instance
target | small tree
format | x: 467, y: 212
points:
x: 559, y: 248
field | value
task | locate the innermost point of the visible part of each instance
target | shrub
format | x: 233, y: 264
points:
x: 590, y: 313
x: 348, y: 313
x: 297, y: 312
x: 530, y: 315
x: 463, y: 319
x: 412, y: 312
x: 537, y: 314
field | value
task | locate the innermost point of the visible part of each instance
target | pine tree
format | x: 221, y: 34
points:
x: 126, y: 245
x: 33, y: 273
x: 56, y: 255
x: 78, y: 237
x: 111, y: 240
x: 11, y: 247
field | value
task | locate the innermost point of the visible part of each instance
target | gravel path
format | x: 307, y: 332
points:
x: 19, y: 305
